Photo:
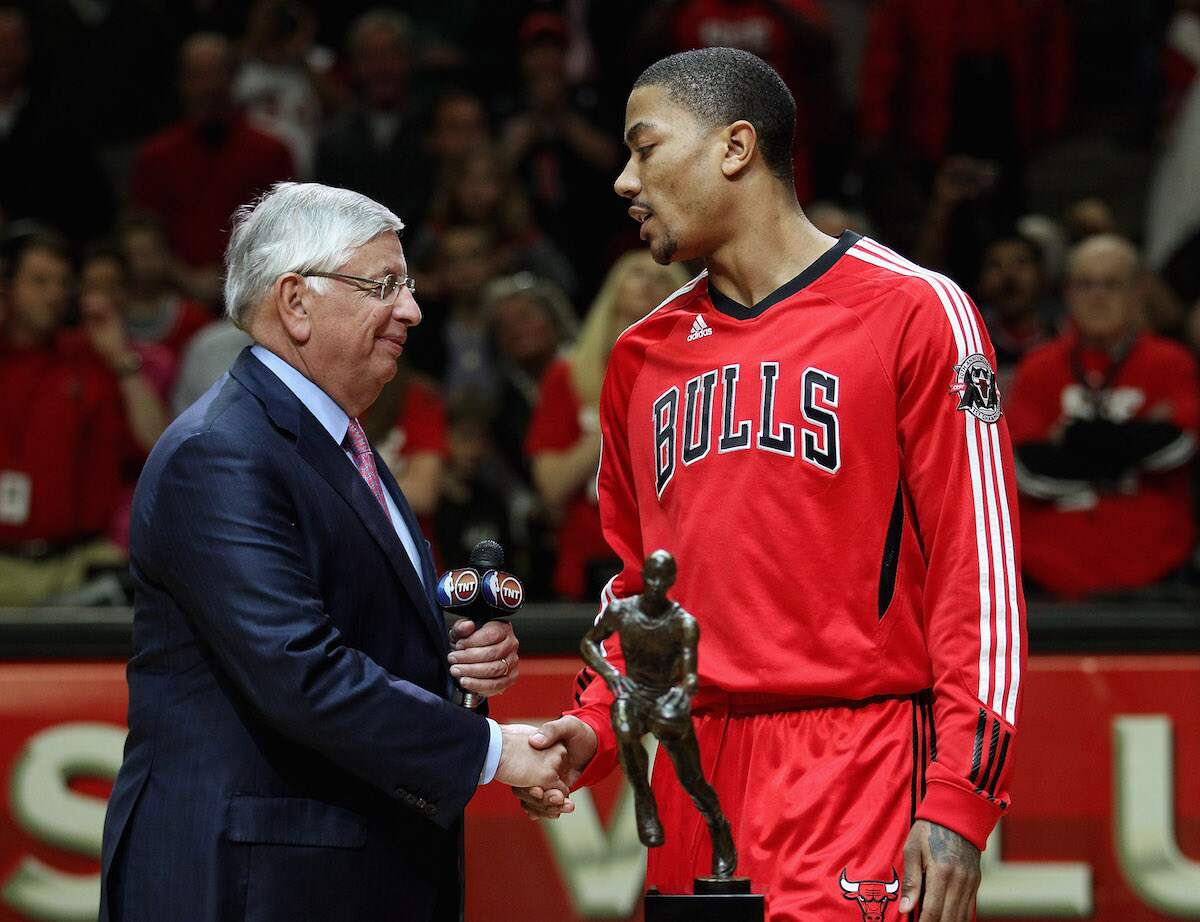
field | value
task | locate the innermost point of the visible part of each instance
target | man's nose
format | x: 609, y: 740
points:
x: 406, y: 310
x: 628, y: 185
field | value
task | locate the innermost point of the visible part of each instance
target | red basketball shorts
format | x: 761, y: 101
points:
x: 820, y: 799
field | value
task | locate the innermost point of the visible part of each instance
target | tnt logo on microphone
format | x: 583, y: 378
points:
x: 503, y: 590
x: 872, y: 896
x: 457, y: 587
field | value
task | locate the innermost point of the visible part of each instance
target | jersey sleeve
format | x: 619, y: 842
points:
x: 619, y: 522
x: 958, y: 469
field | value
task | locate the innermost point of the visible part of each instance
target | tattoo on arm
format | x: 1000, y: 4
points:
x: 948, y: 847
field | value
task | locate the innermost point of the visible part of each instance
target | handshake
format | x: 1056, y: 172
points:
x: 540, y: 764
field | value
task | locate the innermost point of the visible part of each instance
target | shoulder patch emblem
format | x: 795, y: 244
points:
x: 975, y: 384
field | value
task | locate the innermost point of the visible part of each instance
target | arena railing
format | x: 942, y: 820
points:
x: 1167, y: 625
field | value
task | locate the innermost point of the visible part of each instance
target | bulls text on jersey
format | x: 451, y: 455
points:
x: 688, y: 437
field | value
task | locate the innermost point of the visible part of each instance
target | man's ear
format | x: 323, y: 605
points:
x: 740, y: 142
x: 291, y: 300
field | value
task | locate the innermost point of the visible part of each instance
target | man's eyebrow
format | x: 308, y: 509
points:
x: 635, y: 130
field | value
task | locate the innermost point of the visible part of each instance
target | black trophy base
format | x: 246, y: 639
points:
x: 714, y: 900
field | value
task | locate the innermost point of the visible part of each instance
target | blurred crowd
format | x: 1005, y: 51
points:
x: 1044, y: 153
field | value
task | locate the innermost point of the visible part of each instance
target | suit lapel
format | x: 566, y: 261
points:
x: 317, y: 448
x: 428, y: 575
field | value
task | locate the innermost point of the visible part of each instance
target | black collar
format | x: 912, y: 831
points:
x: 731, y: 308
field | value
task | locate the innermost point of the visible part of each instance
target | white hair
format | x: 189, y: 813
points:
x: 296, y: 227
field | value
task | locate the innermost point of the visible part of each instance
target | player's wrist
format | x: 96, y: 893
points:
x: 959, y: 810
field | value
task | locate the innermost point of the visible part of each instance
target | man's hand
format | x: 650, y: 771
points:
x: 484, y: 661
x: 579, y: 739
x: 523, y: 765
x: 104, y: 327
x: 949, y: 866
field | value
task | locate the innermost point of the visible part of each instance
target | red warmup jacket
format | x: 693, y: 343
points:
x: 909, y: 61
x: 832, y: 473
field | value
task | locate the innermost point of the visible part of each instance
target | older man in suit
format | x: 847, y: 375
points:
x: 294, y: 752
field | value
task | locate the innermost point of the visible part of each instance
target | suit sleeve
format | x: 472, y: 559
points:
x: 226, y: 551
x: 622, y: 530
x: 958, y: 470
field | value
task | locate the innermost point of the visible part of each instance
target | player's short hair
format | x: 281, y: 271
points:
x: 721, y: 85
x: 296, y: 227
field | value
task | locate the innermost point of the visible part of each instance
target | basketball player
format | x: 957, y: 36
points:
x: 812, y: 428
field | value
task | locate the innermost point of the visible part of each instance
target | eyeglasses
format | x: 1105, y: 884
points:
x: 385, y: 288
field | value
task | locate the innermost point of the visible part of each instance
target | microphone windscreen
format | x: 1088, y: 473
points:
x: 487, y: 555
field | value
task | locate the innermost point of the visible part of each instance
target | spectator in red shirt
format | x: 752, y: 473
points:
x: 76, y: 408
x: 196, y: 172
x: 564, y: 433
x: 159, y: 311
x: 103, y: 273
x: 1104, y: 421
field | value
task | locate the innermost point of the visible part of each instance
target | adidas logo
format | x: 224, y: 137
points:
x: 700, y: 329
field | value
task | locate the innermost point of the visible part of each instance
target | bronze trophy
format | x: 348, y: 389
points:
x: 660, y: 641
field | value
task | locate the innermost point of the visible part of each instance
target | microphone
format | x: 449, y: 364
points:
x: 481, y: 592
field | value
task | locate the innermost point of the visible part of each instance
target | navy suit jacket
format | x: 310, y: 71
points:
x: 293, y: 753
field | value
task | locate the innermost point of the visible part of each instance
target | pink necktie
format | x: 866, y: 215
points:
x: 365, y: 461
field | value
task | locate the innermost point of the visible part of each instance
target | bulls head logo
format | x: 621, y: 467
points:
x: 872, y: 896
x: 975, y: 384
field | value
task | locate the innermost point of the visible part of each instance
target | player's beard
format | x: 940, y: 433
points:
x: 663, y: 253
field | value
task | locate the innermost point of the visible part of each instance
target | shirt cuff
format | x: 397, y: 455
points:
x: 960, y: 811
x: 492, y: 762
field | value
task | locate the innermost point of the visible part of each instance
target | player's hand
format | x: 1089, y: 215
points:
x: 484, y: 661
x: 522, y: 764
x: 580, y: 742
x: 949, y: 867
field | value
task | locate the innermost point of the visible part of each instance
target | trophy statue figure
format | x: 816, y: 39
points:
x: 659, y: 640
